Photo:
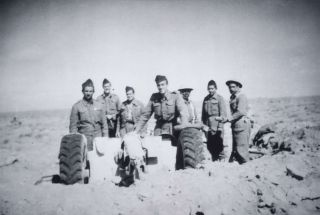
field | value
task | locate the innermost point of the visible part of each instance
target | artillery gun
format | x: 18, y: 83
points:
x: 134, y: 155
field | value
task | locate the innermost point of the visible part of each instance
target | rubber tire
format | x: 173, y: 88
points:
x: 190, y: 149
x: 73, y: 159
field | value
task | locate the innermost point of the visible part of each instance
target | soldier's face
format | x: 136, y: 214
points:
x: 233, y: 88
x: 185, y: 94
x: 130, y: 95
x: 162, y: 86
x: 107, y: 88
x: 88, y: 93
x: 211, y: 89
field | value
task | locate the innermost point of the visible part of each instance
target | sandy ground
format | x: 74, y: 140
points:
x: 29, y: 151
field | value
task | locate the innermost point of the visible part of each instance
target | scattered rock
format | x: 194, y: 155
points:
x: 15, y: 121
x: 141, y: 197
x: 293, y: 203
x: 300, y: 133
x: 310, y: 198
x: 15, y: 160
x: 259, y: 192
x: 296, y: 171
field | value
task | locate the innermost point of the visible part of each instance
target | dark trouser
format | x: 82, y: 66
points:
x: 215, y: 145
x: 240, y: 145
x: 89, y: 142
x: 112, y: 127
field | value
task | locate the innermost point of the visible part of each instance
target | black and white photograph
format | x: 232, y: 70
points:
x: 158, y: 107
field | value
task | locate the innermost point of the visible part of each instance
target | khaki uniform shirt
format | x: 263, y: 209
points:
x: 166, y: 110
x: 88, y: 118
x: 212, y: 107
x: 111, y: 104
x: 129, y: 115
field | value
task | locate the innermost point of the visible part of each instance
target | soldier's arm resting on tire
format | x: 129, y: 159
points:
x: 145, y: 116
x: 242, y: 108
x: 74, y: 120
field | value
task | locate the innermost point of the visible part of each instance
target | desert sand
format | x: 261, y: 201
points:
x: 283, y: 183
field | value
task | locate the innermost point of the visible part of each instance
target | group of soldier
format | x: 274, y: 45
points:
x: 107, y: 116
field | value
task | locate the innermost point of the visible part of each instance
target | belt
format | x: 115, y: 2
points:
x: 130, y: 121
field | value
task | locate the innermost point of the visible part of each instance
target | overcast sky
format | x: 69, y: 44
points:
x: 48, y: 48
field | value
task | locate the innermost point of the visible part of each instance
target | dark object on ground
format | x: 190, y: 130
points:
x: 73, y: 159
x: 267, y: 141
x: 126, y: 182
x: 268, y: 128
x: 54, y: 179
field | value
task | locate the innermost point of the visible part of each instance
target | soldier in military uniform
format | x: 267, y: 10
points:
x: 87, y: 116
x: 167, y: 107
x: 240, y: 123
x: 213, y: 109
x: 130, y: 111
x: 111, y: 104
x: 192, y: 112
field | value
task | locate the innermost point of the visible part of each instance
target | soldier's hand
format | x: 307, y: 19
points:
x: 219, y: 119
x: 219, y: 133
x: 118, y: 134
x: 109, y: 117
x: 142, y: 135
x: 222, y: 119
x: 205, y: 128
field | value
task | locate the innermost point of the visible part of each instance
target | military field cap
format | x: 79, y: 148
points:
x: 129, y: 88
x: 160, y: 78
x: 234, y: 82
x: 105, y: 81
x: 87, y: 83
x: 185, y: 88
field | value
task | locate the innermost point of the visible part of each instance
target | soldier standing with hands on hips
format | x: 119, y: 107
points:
x: 240, y: 123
